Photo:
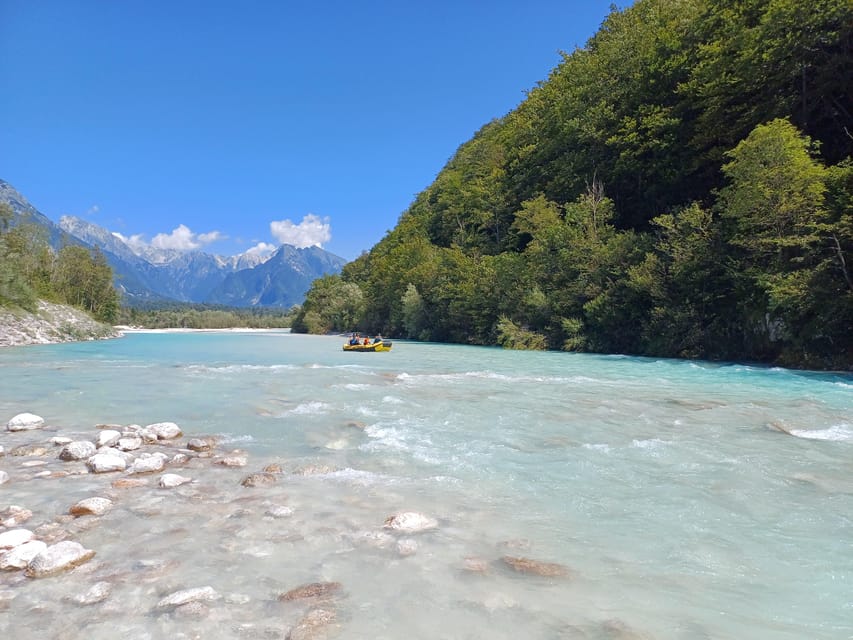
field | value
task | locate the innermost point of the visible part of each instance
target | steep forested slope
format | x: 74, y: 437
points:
x: 680, y: 186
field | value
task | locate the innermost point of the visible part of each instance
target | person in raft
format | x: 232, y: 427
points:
x: 354, y: 339
x: 366, y: 340
x: 378, y: 338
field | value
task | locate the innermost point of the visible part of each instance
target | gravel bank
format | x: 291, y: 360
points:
x: 52, y: 323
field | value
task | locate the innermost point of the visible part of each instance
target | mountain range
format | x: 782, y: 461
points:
x: 147, y: 275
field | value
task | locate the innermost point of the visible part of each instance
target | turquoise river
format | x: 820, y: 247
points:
x: 676, y: 499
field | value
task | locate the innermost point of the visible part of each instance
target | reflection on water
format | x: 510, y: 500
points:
x: 573, y: 496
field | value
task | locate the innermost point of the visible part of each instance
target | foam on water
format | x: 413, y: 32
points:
x: 657, y: 483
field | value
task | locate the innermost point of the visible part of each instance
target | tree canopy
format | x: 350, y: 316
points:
x: 679, y: 186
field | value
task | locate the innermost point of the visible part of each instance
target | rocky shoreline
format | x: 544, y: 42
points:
x: 121, y: 517
x: 51, y: 324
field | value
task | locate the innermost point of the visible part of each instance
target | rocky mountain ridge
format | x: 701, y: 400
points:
x: 149, y: 275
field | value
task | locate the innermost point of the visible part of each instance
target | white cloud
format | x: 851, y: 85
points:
x: 261, y: 249
x: 93, y: 210
x: 312, y: 231
x: 182, y: 238
x: 135, y: 242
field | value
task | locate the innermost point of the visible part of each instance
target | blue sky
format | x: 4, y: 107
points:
x: 228, y: 125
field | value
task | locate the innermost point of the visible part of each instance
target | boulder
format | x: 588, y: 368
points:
x: 91, y: 507
x: 25, y: 422
x: 129, y: 443
x: 201, y: 444
x: 151, y: 463
x: 79, y: 450
x: 14, y: 537
x: 108, y: 437
x: 60, y: 441
x: 172, y: 480
x: 410, y: 522
x: 19, y: 557
x: 106, y: 462
x: 164, y: 430
x: 57, y: 558
x: 179, y: 598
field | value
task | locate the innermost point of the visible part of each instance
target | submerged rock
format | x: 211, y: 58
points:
x: 535, y: 567
x: 233, y: 461
x: 98, y: 592
x: 313, y: 625
x: 410, y: 522
x: 314, y: 590
x: 130, y: 483
x: 57, y: 558
x: 25, y: 422
x: 14, y: 515
x: 185, y: 596
x: 29, y: 450
x: 259, y: 479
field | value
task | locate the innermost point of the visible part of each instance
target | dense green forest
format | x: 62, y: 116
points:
x: 680, y: 186
x: 31, y: 270
x: 202, y: 316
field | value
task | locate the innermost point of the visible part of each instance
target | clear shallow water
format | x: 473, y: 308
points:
x: 666, y: 488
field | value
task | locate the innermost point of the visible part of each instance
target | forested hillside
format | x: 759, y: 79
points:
x: 680, y: 186
x: 31, y: 270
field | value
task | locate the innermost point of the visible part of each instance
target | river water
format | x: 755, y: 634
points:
x: 684, y: 500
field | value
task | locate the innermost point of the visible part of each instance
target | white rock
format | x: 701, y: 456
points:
x: 58, y: 557
x: 180, y: 458
x: 172, y: 480
x: 2, y: 451
x: 19, y: 557
x: 108, y: 437
x: 14, y: 537
x: 14, y: 515
x: 106, y: 462
x: 60, y: 441
x: 187, y: 595
x: 33, y: 463
x: 91, y: 507
x: 79, y: 450
x: 129, y: 443
x: 410, y: 522
x: 165, y: 430
x: 147, y: 464
x: 25, y: 422
x: 4, y: 477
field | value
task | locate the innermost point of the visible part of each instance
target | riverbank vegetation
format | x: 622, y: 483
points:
x: 31, y: 270
x: 680, y: 186
x: 200, y: 316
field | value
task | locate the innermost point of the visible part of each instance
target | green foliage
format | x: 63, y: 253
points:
x: 331, y: 305
x: 200, y: 316
x: 513, y: 336
x: 676, y: 187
